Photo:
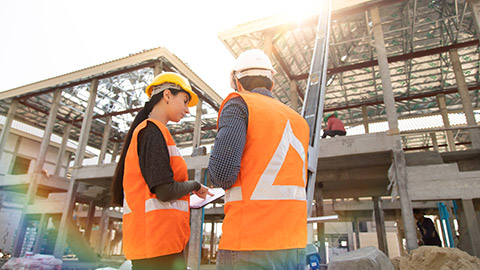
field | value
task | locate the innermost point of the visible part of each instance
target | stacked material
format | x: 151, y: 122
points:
x: 431, y: 257
x: 34, y: 262
x: 368, y: 258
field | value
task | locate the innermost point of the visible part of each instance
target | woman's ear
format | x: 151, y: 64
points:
x: 167, y: 94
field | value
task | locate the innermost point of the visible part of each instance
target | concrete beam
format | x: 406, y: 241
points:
x: 442, y: 182
x: 465, y: 97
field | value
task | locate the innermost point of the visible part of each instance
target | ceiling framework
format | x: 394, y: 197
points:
x: 418, y: 35
x: 120, y: 95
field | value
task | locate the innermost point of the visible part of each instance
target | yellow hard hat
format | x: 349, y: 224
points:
x: 177, y: 79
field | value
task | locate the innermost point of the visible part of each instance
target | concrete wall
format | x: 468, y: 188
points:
x: 9, y: 219
x: 28, y: 148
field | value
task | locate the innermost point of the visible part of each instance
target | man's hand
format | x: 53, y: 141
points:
x: 202, y: 192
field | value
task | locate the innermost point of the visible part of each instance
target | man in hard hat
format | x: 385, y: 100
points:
x: 260, y: 159
x: 334, y: 126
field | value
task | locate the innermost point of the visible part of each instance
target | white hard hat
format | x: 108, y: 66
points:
x: 252, y: 63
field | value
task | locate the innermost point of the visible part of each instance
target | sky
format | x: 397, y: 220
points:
x: 40, y: 39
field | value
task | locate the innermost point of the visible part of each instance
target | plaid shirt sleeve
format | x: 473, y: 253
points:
x: 226, y: 155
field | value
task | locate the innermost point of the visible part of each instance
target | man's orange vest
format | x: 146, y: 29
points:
x: 153, y: 228
x: 266, y: 208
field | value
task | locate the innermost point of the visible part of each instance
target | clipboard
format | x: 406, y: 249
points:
x: 197, y: 202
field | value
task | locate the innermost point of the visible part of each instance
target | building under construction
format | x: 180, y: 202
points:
x: 403, y: 75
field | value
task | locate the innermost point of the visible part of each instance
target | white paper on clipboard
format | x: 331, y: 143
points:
x: 197, y: 202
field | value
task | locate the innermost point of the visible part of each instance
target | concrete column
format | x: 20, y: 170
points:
x: 105, y: 219
x: 410, y: 228
x: 351, y: 245
x: 398, y: 155
x: 63, y: 147
x: 158, y: 68
x: 388, y: 97
x: 212, y: 241
x: 293, y: 95
x: 442, y: 104
x: 70, y: 158
x: 474, y: 6
x: 322, y: 250
x: 434, y: 141
x: 380, y: 225
x: 114, y: 152
x: 36, y: 176
x: 90, y: 220
x: 79, y: 156
x: 48, y: 131
x: 106, y: 134
x: 365, y: 118
x: 472, y: 226
x: 7, y: 126
x: 197, y: 128
x: 465, y: 97
x: 42, y: 225
x: 194, y: 245
x: 400, y: 231
x: 357, y: 233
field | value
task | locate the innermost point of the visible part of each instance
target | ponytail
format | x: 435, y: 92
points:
x: 117, y: 181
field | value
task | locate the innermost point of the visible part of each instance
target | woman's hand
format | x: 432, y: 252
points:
x: 202, y: 192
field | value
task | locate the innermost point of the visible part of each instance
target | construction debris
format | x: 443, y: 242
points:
x: 431, y: 257
x: 369, y: 258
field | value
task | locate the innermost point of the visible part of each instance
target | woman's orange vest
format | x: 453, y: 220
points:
x: 266, y: 208
x: 153, y: 228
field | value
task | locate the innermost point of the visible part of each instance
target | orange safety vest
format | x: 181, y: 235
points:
x: 153, y: 228
x: 266, y: 208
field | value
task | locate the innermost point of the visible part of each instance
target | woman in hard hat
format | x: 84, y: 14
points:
x: 334, y: 126
x: 151, y: 179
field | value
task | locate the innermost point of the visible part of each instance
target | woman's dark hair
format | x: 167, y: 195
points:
x: 251, y: 82
x: 117, y: 181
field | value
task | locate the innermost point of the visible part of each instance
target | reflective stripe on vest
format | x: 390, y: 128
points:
x: 153, y: 228
x: 265, y: 190
x: 156, y: 204
x: 266, y: 208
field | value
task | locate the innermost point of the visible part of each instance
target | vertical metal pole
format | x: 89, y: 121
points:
x: 79, y: 156
x: 106, y: 134
x: 397, y: 149
x: 7, y: 126
x: 63, y: 147
x: 442, y: 104
x: 465, y: 97
x: 212, y: 241
x: 314, y: 101
x: 197, y: 128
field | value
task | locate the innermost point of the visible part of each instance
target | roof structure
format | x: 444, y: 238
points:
x: 418, y: 35
x: 120, y: 95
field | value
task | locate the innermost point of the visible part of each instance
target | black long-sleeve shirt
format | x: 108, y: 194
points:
x: 154, y: 162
